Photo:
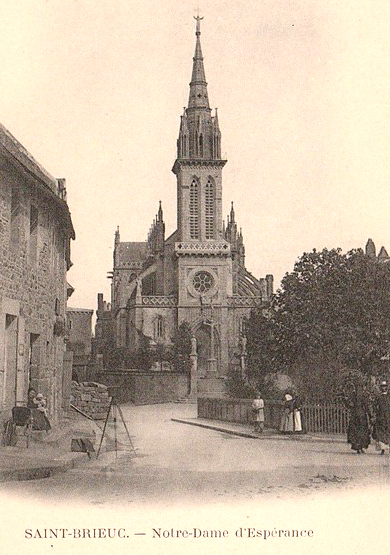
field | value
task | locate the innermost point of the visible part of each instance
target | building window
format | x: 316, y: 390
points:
x: 194, y: 209
x: 33, y: 233
x: 34, y: 357
x: 201, y: 145
x: 209, y: 209
x: 159, y: 328
x: 57, y: 307
x: 203, y: 282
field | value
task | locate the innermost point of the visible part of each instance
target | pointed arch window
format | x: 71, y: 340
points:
x: 194, y: 209
x: 209, y: 208
x: 201, y: 145
x: 159, y: 328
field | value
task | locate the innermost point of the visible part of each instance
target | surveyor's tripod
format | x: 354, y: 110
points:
x: 115, y: 408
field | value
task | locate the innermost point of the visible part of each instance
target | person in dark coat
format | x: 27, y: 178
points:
x: 358, y: 433
x: 382, y: 417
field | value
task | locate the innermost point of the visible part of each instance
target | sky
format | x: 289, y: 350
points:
x: 94, y: 90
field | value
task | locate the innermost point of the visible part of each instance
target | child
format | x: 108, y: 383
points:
x: 41, y: 403
x: 258, y: 409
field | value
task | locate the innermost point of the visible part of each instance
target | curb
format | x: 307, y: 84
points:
x: 251, y: 435
x: 41, y: 471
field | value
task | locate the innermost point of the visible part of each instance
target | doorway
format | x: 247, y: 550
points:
x: 33, y: 358
x: 11, y: 358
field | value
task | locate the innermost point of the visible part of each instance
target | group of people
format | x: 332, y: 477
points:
x: 369, y: 420
x: 366, y: 419
x: 291, y: 421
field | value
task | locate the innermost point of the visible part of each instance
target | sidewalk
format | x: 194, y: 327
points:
x: 246, y: 430
x: 48, y: 453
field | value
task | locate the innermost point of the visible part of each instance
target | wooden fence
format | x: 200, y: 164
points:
x: 317, y: 418
x: 325, y: 418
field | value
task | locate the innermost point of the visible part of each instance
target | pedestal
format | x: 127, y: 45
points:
x: 194, y: 377
x: 212, y: 368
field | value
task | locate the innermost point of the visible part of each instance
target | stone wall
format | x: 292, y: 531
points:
x: 34, y: 251
x: 79, y: 324
x: 144, y: 388
x: 91, y: 398
x: 212, y: 387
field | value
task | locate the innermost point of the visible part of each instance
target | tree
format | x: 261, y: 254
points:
x: 181, y: 348
x: 331, y: 312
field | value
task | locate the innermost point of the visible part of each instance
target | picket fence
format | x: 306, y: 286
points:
x: 328, y: 418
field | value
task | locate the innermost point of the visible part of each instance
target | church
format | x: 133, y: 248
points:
x: 197, y: 274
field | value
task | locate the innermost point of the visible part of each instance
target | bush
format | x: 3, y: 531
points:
x: 237, y: 387
x: 349, y: 382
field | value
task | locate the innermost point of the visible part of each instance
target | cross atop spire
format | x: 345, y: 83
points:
x: 198, y: 86
x: 198, y: 20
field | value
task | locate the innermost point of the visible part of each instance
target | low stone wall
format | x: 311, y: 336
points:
x: 145, y: 387
x: 91, y: 398
x: 239, y: 410
x: 211, y: 387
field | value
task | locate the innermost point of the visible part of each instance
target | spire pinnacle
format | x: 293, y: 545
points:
x: 160, y: 212
x: 198, y: 86
x: 232, y: 215
x: 198, y: 20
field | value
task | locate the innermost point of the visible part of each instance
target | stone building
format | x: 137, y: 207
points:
x: 79, y: 340
x: 197, y: 274
x: 35, y: 234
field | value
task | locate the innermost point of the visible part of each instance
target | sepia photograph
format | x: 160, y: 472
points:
x: 194, y: 276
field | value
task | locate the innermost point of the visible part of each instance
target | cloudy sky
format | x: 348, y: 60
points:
x: 94, y: 90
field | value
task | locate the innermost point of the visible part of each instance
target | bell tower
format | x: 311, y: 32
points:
x: 198, y: 167
x: 203, y: 255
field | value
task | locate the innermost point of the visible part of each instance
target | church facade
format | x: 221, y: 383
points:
x: 197, y: 274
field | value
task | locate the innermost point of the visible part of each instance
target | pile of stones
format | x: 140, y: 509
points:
x: 91, y: 398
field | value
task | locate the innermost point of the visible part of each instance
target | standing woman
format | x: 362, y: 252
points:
x: 358, y: 433
x: 291, y: 419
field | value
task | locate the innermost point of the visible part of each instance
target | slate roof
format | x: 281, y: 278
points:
x: 132, y: 252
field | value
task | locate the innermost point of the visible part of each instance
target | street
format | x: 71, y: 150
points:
x: 177, y: 463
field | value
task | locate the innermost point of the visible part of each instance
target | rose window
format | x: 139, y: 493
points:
x: 203, y: 282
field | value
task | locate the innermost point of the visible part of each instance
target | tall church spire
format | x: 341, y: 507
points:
x: 198, y: 165
x: 199, y: 135
x: 198, y: 86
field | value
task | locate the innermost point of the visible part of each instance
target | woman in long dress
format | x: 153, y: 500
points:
x: 358, y: 433
x: 291, y: 419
